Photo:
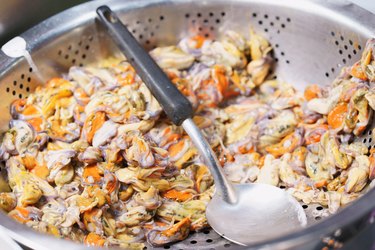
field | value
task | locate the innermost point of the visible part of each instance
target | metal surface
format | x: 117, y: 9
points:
x: 17, y: 16
x: 312, y: 40
x: 175, y: 105
x: 223, y: 187
x: 247, y: 217
x: 245, y: 206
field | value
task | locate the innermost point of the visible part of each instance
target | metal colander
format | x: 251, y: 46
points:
x: 312, y: 40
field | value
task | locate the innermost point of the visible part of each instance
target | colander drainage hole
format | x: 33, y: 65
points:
x: 209, y: 240
x: 227, y: 245
x: 206, y: 232
x: 319, y: 208
x: 193, y: 242
x: 304, y: 206
x: 318, y: 218
x: 166, y: 247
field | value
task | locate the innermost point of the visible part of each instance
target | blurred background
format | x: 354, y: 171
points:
x: 16, y: 16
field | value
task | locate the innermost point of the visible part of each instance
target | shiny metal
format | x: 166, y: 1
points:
x: 224, y: 188
x: 261, y: 213
x: 312, y: 40
x: 245, y: 206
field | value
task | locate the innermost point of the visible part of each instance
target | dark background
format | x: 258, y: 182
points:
x: 16, y: 16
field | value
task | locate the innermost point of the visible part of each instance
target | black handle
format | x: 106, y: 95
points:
x: 175, y: 104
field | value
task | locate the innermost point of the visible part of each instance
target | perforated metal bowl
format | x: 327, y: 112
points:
x: 312, y: 40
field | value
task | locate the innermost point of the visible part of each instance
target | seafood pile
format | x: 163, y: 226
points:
x: 91, y: 157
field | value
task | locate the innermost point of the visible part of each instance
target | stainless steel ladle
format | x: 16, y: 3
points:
x: 242, y: 213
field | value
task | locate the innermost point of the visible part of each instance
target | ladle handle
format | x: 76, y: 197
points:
x: 222, y: 185
x: 175, y: 105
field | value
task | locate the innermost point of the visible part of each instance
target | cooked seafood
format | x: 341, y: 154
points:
x: 91, y: 157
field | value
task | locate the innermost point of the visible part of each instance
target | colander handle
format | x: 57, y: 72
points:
x: 176, y: 105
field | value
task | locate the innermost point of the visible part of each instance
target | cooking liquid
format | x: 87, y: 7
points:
x: 15, y: 48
